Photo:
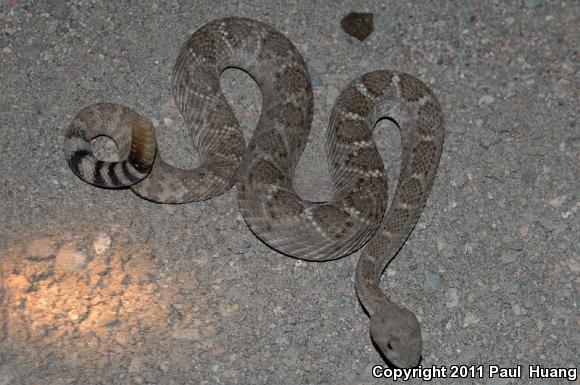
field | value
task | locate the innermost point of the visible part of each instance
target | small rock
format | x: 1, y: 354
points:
x: 316, y: 81
x: 281, y: 340
x: 102, y: 243
x: 52, y: 26
x: 331, y: 95
x: 71, y: 360
x: 508, y: 258
x: 574, y: 265
x: 558, y: 201
x: 41, y: 248
x: 470, y: 320
x: 560, y: 88
x: 32, y: 50
x: 359, y: 25
x: 218, y: 351
x: 451, y: 297
x: 531, y: 4
x: 69, y: 259
x: 486, y: 100
x: 562, y: 146
x: 441, y: 245
x: 432, y: 281
x: 136, y: 365
x: 227, y: 310
x: 58, y: 9
x: 188, y: 334
x: 529, y: 175
x: 449, y: 325
x: 17, y: 283
x: 515, y: 287
x: 419, y: 295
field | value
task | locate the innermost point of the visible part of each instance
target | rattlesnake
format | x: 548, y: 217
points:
x: 264, y: 171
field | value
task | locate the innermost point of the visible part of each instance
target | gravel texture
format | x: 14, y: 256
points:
x: 102, y: 287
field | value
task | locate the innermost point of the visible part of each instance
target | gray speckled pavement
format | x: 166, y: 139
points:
x: 102, y: 287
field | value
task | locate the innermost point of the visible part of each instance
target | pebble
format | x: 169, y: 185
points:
x: 558, y: 201
x: 69, y: 259
x: 531, y: 4
x: 486, y: 100
x: 136, y: 365
x: 560, y: 88
x: 58, y: 9
x: 218, y: 351
x: 451, y: 297
x: 188, y: 334
x: 227, y: 310
x: 17, y: 283
x: 515, y: 287
x: 52, y: 26
x: 574, y: 265
x: 331, y: 95
x: 316, y: 81
x: 470, y: 320
x: 102, y: 243
x: 32, y: 50
x: 71, y: 360
x: 508, y: 258
x: 529, y: 175
x: 432, y: 281
x: 359, y: 25
x: 41, y: 248
x: 441, y: 245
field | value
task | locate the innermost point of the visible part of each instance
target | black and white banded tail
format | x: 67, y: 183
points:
x: 132, y: 133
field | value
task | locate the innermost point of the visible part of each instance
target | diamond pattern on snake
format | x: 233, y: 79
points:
x: 263, y: 171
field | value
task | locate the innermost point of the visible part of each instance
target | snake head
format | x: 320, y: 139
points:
x: 398, y: 336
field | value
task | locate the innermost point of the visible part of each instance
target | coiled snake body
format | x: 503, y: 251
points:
x: 264, y: 171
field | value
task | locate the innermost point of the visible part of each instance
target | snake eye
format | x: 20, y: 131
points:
x: 393, y: 343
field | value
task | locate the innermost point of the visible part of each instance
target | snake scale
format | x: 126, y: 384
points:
x: 264, y: 171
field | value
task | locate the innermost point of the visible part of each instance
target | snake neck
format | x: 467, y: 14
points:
x: 367, y: 279
x: 395, y: 330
